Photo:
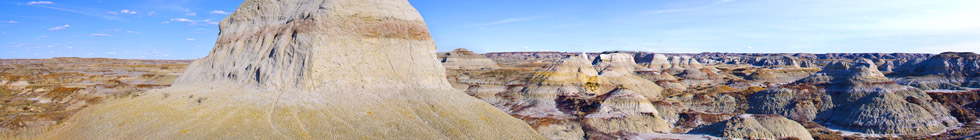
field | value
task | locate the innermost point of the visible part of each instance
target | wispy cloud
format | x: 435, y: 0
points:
x: 11, y: 22
x: 127, y: 11
x: 189, y: 39
x: 39, y: 2
x: 90, y: 12
x: 59, y: 28
x: 101, y: 34
x: 193, y: 22
x: 509, y: 20
x: 182, y: 20
x: 191, y: 14
x: 219, y: 12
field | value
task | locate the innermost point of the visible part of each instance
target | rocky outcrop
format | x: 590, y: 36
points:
x: 781, y: 76
x: 570, y: 99
x: 513, y: 58
x: 466, y: 59
x: 619, y: 69
x: 624, y: 112
x: 615, y: 64
x: 750, y: 126
x: 681, y: 63
x: 659, y: 63
x: 949, y: 70
x: 855, y: 97
x: 307, y: 69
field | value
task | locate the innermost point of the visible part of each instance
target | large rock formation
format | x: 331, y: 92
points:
x: 615, y: 64
x: 466, y: 59
x: 855, y: 97
x: 619, y: 69
x: 307, y: 69
x: 659, y: 63
x: 750, y: 126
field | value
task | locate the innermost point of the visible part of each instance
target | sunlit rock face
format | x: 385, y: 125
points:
x: 307, y: 69
x: 856, y: 97
x: 466, y: 59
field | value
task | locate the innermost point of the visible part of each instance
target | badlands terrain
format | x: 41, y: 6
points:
x: 607, y: 95
x: 619, y: 94
x: 368, y: 69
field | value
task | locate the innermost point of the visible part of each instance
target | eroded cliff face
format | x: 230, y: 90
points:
x: 307, y: 69
x: 310, y: 44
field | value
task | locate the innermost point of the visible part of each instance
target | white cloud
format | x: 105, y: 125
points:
x: 182, y: 20
x: 191, y: 14
x: 189, y: 39
x: 165, y: 22
x: 151, y: 13
x: 12, y: 22
x: 101, y: 34
x: 112, y: 13
x: 127, y: 11
x: 132, y: 32
x: 219, y: 12
x: 111, y: 53
x: 39, y: 2
x: 59, y: 28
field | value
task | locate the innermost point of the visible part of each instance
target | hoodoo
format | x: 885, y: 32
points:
x: 307, y: 69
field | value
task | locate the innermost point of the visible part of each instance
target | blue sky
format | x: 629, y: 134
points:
x: 186, y: 29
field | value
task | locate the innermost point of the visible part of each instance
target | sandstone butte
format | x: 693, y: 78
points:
x: 306, y: 69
